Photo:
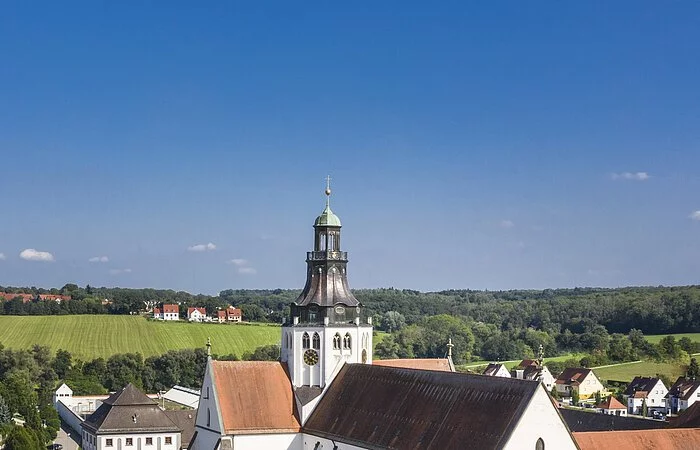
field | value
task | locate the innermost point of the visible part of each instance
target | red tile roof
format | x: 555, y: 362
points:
x: 640, y: 394
x: 442, y: 364
x: 665, y: 439
x: 611, y: 403
x: 171, y: 309
x: 221, y: 314
x: 156, y: 311
x: 190, y: 310
x: 572, y: 376
x: 255, y: 397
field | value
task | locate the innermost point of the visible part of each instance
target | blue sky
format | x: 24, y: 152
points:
x: 508, y: 145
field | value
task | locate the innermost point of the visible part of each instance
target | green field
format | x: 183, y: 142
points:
x: 88, y: 336
x: 626, y: 372
x: 655, y: 338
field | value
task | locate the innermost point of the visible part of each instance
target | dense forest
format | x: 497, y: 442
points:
x: 493, y: 325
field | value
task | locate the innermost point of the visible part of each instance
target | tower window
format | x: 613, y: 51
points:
x: 346, y: 341
x: 336, y: 341
x: 305, y: 340
x: 539, y: 445
x: 313, y: 313
x: 317, y: 341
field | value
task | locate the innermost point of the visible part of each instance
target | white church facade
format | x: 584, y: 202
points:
x: 325, y: 393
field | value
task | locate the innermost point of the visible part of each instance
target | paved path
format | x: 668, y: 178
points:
x: 618, y: 364
x: 67, y: 437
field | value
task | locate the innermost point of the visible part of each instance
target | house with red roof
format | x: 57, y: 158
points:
x: 612, y: 406
x: 195, y: 314
x: 167, y: 312
x: 579, y: 380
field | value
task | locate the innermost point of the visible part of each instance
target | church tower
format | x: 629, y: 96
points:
x: 326, y: 328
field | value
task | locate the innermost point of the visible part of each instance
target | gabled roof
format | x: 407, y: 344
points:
x: 387, y: 407
x: 221, y: 314
x: 170, y: 308
x: 683, y: 388
x: 611, y: 403
x: 191, y: 309
x: 582, y: 420
x: 184, y: 419
x: 645, y: 384
x: 255, y: 397
x: 129, y: 410
x: 573, y: 376
x: 690, y: 418
x: 640, y: 394
x: 442, y: 364
x: 493, y: 368
x: 527, y: 363
x: 669, y: 439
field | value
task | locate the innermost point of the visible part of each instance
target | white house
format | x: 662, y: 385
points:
x: 645, y: 390
x: 63, y: 394
x: 195, y: 314
x: 325, y: 393
x: 128, y: 420
x: 580, y: 380
x: 530, y: 369
x: 496, y: 370
x: 612, y: 406
x: 682, y: 395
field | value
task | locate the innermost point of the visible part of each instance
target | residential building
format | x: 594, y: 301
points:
x: 170, y: 312
x: 580, y: 380
x: 54, y: 298
x: 325, y: 393
x: 234, y: 314
x: 530, y: 369
x: 612, y: 406
x: 195, y: 314
x: 645, y: 390
x: 158, y: 313
x: 127, y: 420
x: 221, y: 316
x: 496, y: 370
x: 682, y: 395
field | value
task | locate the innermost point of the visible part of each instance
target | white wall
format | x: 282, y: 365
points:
x: 208, y: 423
x: 540, y: 420
x: 286, y: 441
x: 67, y: 415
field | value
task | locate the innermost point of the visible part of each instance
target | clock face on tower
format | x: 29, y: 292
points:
x: 311, y: 357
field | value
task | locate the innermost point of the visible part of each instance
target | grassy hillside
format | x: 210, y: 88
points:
x: 625, y: 372
x: 654, y: 339
x: 88, y: 337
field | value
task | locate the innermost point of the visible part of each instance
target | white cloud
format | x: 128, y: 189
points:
x: 237, y: 262
x: 507, y: 223
x: 30, y: 254
x: 695, y: 215
x: 2, y: 256
x: 634, y: 176
x: 202, y: 247
x: 119, y: 271
x: 247, y: 271
x: 99, y: 259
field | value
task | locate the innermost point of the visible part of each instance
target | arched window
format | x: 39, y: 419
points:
x: 336, y: 341
x: 305, y: 340
x: 539, y: 445
x: 346, y: 341
x: 317, y: 341
x: 290, y: 339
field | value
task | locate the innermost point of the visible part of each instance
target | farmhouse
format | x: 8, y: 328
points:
x: 645, y: 391
x: 326, y: 393
x: 579, y: 380
x: 167, y: 312
x: 196, y: 314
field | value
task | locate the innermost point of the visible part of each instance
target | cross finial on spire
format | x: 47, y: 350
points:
x: 328, y: 190
x: 449, y: 348
x: 208, y: 346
